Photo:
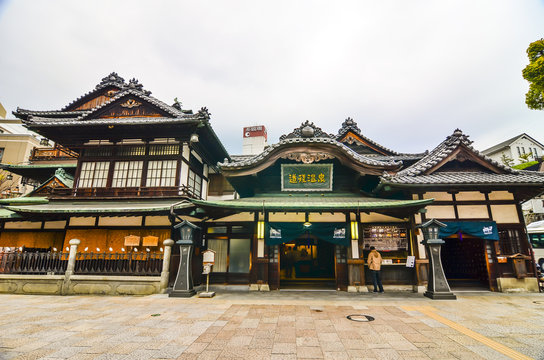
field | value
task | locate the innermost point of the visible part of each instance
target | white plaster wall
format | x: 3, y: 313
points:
x: 61, y: 224
x: 472, y: 212
x: 375, y: 217
x: 157, y: 221
x: 237, y: 217
x: 505, y: 214
x: 469, y: 195
x: 23, y: 225
x: 441, y: 196
x: 327, y: 217
x: 501, y: 195
x: 288, y: 217
x: 528, y: 145
x: 82, y: 221
x: 440, y: 212
x: 120, y: 221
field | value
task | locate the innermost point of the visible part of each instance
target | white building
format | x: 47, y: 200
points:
x: 514, y: 148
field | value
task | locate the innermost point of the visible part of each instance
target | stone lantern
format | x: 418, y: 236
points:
x: 183, y: 286
x: 437, y: 286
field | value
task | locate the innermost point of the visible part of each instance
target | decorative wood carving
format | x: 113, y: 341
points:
x: 307, y: 157
x: 131, y: 103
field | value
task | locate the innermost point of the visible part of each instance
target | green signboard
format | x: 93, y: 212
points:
x: 306, y: 177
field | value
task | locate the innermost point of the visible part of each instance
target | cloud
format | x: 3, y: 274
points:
x: 408, y: 72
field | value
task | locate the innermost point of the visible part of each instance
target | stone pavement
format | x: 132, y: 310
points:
x: 275, y: 325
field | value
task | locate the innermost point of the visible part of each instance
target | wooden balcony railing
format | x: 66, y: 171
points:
x: 139, y: 192
x: 56, y: 153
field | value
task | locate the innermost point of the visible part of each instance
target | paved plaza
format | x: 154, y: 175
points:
x: 275, y: 325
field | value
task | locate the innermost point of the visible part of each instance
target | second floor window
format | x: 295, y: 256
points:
x: 195, y: 184
x: 94, y: 174
x: 161, y: 173
x: 127, y: 174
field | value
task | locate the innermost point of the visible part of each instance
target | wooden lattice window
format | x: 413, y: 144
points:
x: 127, y: 174
x: 94, y: 174
x: 161, y: 173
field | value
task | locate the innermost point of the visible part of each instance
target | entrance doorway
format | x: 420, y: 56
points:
x: 465, y: 264
x: 307, y: 263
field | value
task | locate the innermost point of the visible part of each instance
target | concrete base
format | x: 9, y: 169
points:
x: 206, y: 294
x: 363, y: 289
x: 253, y: 287
x: 264, y: 287
x: 418, y: 289
x: 517, y: 285
x: 79, y: 285
x: 182, y: 293
x: 352, y: 289
x: 440, y: 295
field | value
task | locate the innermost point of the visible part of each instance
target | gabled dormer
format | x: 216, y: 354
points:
x: 102, y: 93
x: 455, y: 165
x: 131, y: 103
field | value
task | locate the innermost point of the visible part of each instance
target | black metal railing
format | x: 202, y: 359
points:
x: 138, y: 264
x: 39, y: 263
x: 55, y: 263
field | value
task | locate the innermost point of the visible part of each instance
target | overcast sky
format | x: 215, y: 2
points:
x: 409, y: 72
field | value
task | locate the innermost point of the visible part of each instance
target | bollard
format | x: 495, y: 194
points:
x: 165, y: 274
x: 71, y: 265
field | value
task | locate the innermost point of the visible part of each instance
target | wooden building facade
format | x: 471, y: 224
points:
x: 303, y: 213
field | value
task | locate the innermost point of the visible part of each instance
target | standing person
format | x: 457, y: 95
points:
x: 374, y: 265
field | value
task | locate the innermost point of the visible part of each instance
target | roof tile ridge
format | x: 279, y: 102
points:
x: 256, y: 158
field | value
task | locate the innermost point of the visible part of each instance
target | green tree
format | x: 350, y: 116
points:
x: 508, y: 161
x: 525, y: 157
x: 534, y: 74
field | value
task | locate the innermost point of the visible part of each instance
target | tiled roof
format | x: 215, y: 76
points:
x: 42, y: 122
x: 506, y: 143
x: 350, y: 125
x: 299, y: 140
x: 473, y: 178
x: 283, y: 203
x: 398, y: 157
x: 443, y: 150
x: 111, y: 80
x: 98, y: 207
x: 50, y: 112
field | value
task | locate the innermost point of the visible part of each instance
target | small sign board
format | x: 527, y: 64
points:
x: 132, y: 240
x: 306, y: 177
x: 206, y: 269
x: 150, y: 241
x: 410, y: 261
x: 387, y: 261
x: 208, y: 257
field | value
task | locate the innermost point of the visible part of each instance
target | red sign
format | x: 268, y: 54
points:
x: 254, y: 131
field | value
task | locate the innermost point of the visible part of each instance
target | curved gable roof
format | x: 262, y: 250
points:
x: 308, y: 144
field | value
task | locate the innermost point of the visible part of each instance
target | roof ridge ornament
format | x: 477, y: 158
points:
x: 458, y: 137
x: 307, y: 130
x: 203, y: 112
x: 349, y: 124
x: 112, y: 79
x: 135, y: 85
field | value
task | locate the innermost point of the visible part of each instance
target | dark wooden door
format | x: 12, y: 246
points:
x: 274, y: 267
x: 341, y: 267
